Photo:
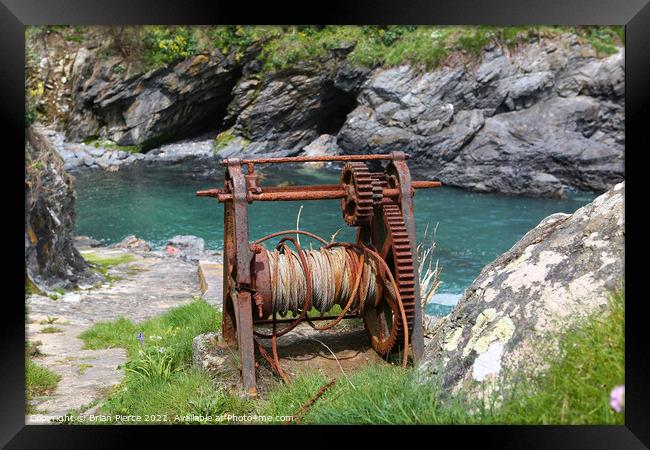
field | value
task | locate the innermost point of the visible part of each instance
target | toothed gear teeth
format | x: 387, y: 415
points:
x: 404, y: 274
x: 358, y: 207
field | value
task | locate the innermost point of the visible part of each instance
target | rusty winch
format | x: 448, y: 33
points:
x: 374, y: 278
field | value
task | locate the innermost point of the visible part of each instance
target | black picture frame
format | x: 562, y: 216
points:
x: 634, y: 15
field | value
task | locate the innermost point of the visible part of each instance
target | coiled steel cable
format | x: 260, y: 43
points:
x: 333, y: 273
x: 346, y: 273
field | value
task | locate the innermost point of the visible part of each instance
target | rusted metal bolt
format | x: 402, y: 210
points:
x: 259, y: 302
x: 255, y: 248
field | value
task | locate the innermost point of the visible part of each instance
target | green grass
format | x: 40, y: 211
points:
x: 51, y: 330
x: 164, y: 383
x: 108, y: 261
x: 38, y: 379
x: 103, y: 264
x: 222, y: 140
x: 186, y: 393
x: 422, y: 46
x: 83, y: 367
x: 378, y: 394
x: 574, y: 390
x: 49, y: 321
x: 603, y: 39
x: 98, y: 143
x: 173, y: 330
x: 167, y: 44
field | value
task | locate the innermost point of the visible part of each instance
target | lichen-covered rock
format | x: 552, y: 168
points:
x: 51, y: 259
x: 207, y: 354
x: 515, y: 312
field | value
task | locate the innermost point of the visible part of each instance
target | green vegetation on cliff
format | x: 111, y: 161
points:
x: 391, y: 45
x: 279, y: 47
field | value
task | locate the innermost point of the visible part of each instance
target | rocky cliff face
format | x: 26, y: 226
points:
x: 548, y: 116
x: 282, y: 113
x: 519, y: 306
x: 533, y: 120
x: 51, y: 259
x: 150, y: 108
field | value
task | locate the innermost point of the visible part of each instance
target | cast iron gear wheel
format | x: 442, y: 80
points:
x: 383, y: 321
x: 357, y: 206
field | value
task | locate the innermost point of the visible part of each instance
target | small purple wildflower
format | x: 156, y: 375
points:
x: 140, y: 337
x: 617, y: 398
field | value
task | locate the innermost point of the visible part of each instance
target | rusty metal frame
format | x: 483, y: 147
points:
x: 245, y: 269
x: 239, y: 257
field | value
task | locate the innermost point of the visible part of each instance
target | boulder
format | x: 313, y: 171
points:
x: 189, y: 248
x: 51, y: 259
x: 131, y: 242
x: 516, y: 311
x: 207, y: 354
x: 324, y: 145
x: 86, y: 241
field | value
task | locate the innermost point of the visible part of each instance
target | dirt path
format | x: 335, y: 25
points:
x: 149, y: 285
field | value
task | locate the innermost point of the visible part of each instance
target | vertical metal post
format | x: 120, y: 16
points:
x: 229, y: 318
x: 243, y: 301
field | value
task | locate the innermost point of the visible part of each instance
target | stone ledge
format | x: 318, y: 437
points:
x: 210, y: 282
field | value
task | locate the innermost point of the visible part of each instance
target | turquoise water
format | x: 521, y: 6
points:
x: 471, y: 229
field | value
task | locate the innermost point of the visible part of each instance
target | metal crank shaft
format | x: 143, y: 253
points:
x: 321, y: 192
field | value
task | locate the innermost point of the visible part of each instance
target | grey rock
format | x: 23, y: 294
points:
x: 94, y: 151
x: 207, y: 354
x: 515, y: 312
x: 151, y: 107
x: 132, y: 242
x: 523, y: 91
x: 537, y: 121
x: 86, y: 241
x: 539, y: 151
x: 51, y: 259
x: 187, y: 247
x: 349, y: 77
x: 534, y: 123
x: 324, y: 145
x: 281, y: 113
